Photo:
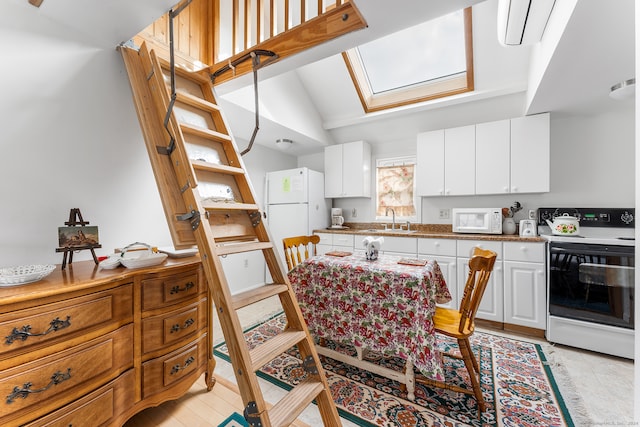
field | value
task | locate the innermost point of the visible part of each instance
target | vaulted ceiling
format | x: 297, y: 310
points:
x: 310, y: 99
x: 593, y: 49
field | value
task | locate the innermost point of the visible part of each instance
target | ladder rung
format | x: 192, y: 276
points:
x: 249, y: 297
x: 294, y: 402
x: 226, y: 206
x: 193, y: 76
x: 196, y: 102
x: 236, y: 248
x: 277, y: 345
x: 205, y: 133
x: 213, y: 167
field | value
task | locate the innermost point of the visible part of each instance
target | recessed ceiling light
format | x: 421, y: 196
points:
x: 623, y: 90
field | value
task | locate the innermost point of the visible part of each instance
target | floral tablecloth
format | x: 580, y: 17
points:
x: 376, y: 305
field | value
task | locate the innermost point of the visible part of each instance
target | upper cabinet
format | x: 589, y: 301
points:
x: 492, y: 157
x: 530, y: 154
x: 505, y: 156
x: 443, y: 171
x: 459, y: 161
x: 347, y: 170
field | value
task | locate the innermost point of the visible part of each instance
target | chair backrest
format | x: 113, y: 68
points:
x: 299, y: 248
x: 480, y: 267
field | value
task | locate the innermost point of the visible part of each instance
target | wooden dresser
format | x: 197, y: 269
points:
x: 91, y: 347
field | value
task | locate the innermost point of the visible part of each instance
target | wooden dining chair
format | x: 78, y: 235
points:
x: 460, y: 324
x: 299, y: 248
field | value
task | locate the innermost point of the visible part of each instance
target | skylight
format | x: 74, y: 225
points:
x: 430, y: 60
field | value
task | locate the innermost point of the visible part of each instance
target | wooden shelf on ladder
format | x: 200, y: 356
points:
x: 202, y: 181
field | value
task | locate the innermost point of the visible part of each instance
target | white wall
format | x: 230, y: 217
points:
x: 592, y: 165
x: 71, y: 139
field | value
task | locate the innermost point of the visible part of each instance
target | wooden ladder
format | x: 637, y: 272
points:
x: 204, y: 185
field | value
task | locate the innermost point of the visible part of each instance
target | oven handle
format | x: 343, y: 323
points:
x: 553, y: 249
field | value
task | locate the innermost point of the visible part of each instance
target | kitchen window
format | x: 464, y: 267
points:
x: 396, y: 189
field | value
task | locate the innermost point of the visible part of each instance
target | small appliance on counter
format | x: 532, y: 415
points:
x: 337, y: 220
x: 477, y: 220
x: 528, y: 228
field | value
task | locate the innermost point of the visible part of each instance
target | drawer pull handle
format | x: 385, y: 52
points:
x: 177, y: 368
x: 24, y: 333
x: 187, y: 323
x: 177, y: 289
x: 23, y: 392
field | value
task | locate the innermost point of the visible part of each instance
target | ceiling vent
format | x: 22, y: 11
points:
x: 522, y: 22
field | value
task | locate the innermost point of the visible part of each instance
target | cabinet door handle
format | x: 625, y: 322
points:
x: 25, y: 332
x: 57, y: 378
x: 187, y: 323
x: 177, y: 368
x: 177, y: 289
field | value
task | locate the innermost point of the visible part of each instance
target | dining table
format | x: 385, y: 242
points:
x: 384, y: 305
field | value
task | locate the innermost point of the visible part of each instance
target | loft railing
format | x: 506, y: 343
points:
x: 243, y: 24
x: 209, y: 34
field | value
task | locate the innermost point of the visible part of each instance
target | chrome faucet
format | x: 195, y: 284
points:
x: 393, y: 224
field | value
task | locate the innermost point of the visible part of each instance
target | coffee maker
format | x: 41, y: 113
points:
x: 336, y: 218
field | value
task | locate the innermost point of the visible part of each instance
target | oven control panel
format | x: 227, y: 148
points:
x: 592, y: 217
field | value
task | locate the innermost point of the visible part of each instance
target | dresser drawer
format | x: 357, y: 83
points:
x: 174, y: 326
x: 178, y: 365
x: 170, y: 289
x: 97, y: 409
x: 36, y: 388
x: 45, y: 325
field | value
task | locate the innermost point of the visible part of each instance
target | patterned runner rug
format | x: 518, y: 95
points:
x: 517, y: 384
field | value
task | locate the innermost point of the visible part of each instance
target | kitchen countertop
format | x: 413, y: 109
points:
x: 439, y: 231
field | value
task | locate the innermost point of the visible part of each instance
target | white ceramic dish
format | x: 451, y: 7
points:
x: 19, y: 275
x: 144, y: 261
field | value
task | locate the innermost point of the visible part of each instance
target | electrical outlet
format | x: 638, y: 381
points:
x: 532, y: 214
x: 354, y: 213
x: 444, y: 214
x: 246, y: 263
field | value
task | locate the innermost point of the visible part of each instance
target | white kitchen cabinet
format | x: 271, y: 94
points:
x: 446, y: 162
x: 430, y: 163
x: 530, y: 154
x: 505, y: 156
x: 326, y: 243
x: 492, y: 304
x: 403, y: 246
x: 443, y: 251
x: 493, y: 141
x: 347, y: 170
x: 459, y: 161
x: 335, y: 242
x: 525, y: 284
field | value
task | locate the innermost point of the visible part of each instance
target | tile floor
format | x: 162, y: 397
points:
x: 598, y: 389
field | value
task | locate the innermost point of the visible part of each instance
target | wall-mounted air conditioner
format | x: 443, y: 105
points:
x: 522, y: 22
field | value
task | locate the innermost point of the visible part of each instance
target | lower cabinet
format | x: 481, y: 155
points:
x: 492, y: 304
x: 525, y: 284
x: 335, y: 242
x: 516, y: 293
x: 443, y: 251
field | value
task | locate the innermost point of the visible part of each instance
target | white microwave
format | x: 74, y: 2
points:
x: 477, y: 220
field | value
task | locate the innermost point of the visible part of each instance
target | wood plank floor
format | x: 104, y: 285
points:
x: 196, y: 408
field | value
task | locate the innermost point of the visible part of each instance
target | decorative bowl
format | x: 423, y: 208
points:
x: 22, y: 274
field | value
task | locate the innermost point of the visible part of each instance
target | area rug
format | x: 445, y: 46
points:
x: 517, y: 383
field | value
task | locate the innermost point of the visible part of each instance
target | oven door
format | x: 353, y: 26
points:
x: 592, y: 282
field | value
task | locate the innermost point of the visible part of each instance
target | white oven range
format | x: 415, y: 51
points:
x: 590, y: 280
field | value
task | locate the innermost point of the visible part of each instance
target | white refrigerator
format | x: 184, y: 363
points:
x: 295, y: 204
